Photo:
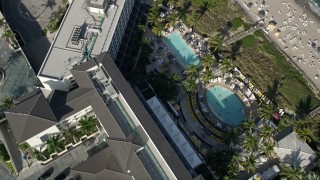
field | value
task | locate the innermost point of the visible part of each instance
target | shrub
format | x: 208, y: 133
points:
x: 248, y: 41
x: 3, y: 153
x: 237, y: 22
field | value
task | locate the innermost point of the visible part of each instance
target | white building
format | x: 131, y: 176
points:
x: 104, y: 94
x: 89, y: 28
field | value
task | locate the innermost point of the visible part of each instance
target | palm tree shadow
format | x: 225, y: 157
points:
x: 235, y: 49
x: 295, y: 158
x: 203, y: 9
x: 224, y: 31
x: 273, y: 91
x: 304, y: 107
x: 50, y: 4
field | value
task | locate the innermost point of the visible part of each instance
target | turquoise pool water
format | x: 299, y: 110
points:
x: 227, y: 105
x: 180, y: 48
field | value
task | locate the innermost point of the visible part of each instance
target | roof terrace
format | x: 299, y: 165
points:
x: 82, y: 34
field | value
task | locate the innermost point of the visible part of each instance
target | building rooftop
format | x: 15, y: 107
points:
x: 31, y: 116
x: 118, y: 161
x: 174, y: 133
x: 144, y: 117
x: 292, y: 150
x: 80, y: 35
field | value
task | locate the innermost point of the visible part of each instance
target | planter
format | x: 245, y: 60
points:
x: 62, y: 152
x: 68, y: 146
x: 76, y: 144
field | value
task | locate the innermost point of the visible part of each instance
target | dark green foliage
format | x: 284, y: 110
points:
x: 248, y: 41
x: 164, y: 86
x: 237, y: 22
x: 3, y: 153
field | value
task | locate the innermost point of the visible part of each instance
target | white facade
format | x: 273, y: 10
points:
x: 36, y: 141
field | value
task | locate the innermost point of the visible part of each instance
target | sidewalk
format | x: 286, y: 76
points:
x: 195, y: 126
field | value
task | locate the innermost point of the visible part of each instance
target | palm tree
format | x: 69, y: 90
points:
x: 192, y: 70
x: 304, y: 134
x: 250, y: 163
x: 227, y: 64
x: 55, y: 16
x: 87, y: 124
x: 184, y: 11
x: 248, y: 125
x: 251, y: 143
x: 173, y: 2
x: 7, y: 102
x: 207, y: 61
x: 267, y: 149
x: 152, y: 18
x: 175, y: 77
x: 40, y: 156
x: 157, y: 29
x: 232, y: 137
x: 8, y: 35
x: 290, y: 173
x: 192, y: 20
x: 215, y: 43
x: 206, y: 76
x: 70, y: 133
x: 172, y: 19
x: 141, y: 27
x: 266, y: 132
x: 53, y: 144
x: 190, y: 85
x: 233, y: 166
x: 2, y: 22
x: 64, y: 2
x: 203, y: 9
x: 312, y: 176
x: 266, y: 112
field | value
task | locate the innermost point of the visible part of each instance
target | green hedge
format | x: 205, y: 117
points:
x: 3, y: 153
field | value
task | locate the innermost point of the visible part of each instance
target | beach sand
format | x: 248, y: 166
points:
x: 299, y: 32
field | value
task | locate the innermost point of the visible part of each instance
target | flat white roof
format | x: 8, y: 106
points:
x: 176, y: 135
x: 61, y: 56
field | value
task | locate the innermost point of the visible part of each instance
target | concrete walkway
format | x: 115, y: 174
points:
x: 195, y: 126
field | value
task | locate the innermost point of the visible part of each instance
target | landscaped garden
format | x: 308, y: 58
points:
x: 262, y: 64
x: 61, y: 143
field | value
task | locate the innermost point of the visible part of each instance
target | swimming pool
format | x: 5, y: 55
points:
x: 226, y: 105
x: 180, y: 48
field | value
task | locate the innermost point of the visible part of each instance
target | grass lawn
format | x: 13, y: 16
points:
x: 216, y: 17
x: 10, y: 166
x: 264, y: 64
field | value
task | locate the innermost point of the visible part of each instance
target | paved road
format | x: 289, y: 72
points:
x: 11, y: 146
x: 29, y: 29
x: 4, y: 174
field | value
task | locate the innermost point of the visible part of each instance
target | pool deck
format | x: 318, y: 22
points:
x: 168, y: 46
x: 213, y: 115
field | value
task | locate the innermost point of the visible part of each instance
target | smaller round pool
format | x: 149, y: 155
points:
x: 226, y: 105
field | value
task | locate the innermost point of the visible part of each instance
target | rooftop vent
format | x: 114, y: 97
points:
x: 76, y: 35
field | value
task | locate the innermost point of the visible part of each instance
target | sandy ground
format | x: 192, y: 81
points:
x: 298, y: 32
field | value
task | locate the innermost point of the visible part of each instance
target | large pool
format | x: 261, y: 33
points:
x: 180, y: 48
x: 226, y: 105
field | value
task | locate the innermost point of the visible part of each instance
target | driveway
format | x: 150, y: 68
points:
x: 61, y: 164
x: 4, y: 174
x: 12, y: 147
